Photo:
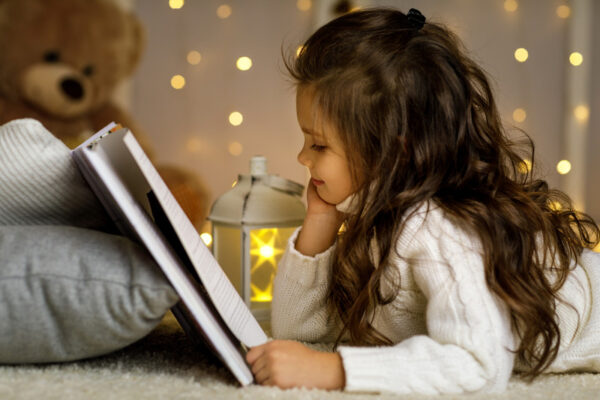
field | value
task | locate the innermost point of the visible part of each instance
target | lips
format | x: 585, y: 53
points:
x: 317, y: 182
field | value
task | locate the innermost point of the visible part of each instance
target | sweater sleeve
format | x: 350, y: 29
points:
x: 299, y: 309
x: 469, y: 335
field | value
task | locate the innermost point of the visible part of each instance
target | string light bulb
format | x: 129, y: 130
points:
x: 224, y: 11
x: 519, y: 115
x: 235, y: 148
x: 177, y: 82
x: 511, y: 5
x: 563, y: 167
x: 525, y: 166
x: 243, y: 63
x: 304, y: 5
x: 236, y: 118
x: 176, y: 4
x: 206, y: 238
x: 563, y: 11
x: 581, y: 113
x: 194, y: 57
x: 521, y: 54
x: 576, y: 58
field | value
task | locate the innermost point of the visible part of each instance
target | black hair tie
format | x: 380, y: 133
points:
x: 415, y: 19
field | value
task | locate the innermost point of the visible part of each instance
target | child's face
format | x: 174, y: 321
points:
x: 323, y: 153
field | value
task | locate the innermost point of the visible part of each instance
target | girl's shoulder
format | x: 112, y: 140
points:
x: 429, y: 226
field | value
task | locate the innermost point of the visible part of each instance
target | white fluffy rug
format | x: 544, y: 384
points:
x: 166, y: 365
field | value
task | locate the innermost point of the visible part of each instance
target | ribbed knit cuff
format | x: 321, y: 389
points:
x: 305, y: 270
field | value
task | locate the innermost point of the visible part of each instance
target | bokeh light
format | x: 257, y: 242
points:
x: 304, y: 5
x: 235, y: 148
x: 236, y: 118
x: 563, y: 11
x: 582, y: 113
x: 224, y: 11
x: 576, y: 58
x: 194, y: 57
x: 563, y: 167
x: 511, y: 5
x: 521, y: 54
x: 206, y: 238
x: 177, y: 82
x: 519, y: 115
x: 243, y: 63
x: 176, y: 4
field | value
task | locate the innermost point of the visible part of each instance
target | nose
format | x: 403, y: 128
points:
x: 72, y: 88
x: 303, y: 157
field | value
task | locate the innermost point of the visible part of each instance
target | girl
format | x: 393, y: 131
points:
x: 453, y: 267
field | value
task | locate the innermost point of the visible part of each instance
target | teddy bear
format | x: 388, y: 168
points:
x: 60, y: 63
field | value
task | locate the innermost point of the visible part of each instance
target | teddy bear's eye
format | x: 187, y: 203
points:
x: 51, y: 56
x: 88, y: 70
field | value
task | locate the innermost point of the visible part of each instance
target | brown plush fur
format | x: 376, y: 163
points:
x: 60, y: 62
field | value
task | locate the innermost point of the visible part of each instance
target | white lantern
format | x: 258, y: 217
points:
x: 251, y: 224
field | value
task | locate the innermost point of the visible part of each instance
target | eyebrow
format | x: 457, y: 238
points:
x: 311, y: 132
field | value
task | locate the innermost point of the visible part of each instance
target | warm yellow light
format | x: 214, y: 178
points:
x: 563, y: 167
x: 236, y: 118
x: 266, y: 251
x: 555, y: 205
x: 193, y: 145
x: 563, y: 11
x: 206, y: 238
x: 262, y: 296
x: 576, y: 58
x: 299, y: 50
x: 521, y: 54
x: 582, y: 113
x: 194, y: 57
x: 177, y: 82
x: 525, y: 166
x: 233, y: 184
x: 304, y: 5
x: 244, y: 63
x: 519, y: 115
x: 235, y: 148
x: 224, y: 11
x: 176, y: 4
x: 511, y: 5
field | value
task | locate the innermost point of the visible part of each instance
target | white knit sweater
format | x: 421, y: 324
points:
x: 451, y: 334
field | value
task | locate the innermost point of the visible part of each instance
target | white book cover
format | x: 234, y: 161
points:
x: 141, y: 205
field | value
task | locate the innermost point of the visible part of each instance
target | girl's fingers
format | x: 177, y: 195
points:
x: 254, y: 354
x: 258, y: 365
x: 262, y: 376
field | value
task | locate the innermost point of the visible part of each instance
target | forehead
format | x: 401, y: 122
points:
x: 310, y: 117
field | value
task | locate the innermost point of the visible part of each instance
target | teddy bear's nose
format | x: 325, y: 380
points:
x: 72, y: 88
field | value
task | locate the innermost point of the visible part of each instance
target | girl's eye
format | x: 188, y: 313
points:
x: 316, y: 147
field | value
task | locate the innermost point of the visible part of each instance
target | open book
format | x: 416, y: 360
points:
x: 143, y: 208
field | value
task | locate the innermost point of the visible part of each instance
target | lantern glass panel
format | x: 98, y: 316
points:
x: 266, y: 248
x: 227, y: 249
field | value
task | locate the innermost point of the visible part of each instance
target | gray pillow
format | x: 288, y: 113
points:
x: 68, y: 293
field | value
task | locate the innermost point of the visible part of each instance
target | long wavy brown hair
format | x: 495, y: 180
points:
x: 419, y: 123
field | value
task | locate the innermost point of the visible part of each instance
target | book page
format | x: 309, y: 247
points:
x: 228, y: 302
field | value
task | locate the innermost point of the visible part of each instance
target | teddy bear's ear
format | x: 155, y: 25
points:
x: 138, y: 38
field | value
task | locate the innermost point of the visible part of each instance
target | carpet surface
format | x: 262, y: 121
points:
x: 166, y: 365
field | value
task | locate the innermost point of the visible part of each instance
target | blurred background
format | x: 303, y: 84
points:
x: 211, y: 90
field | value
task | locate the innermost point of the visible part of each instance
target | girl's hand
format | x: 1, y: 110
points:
x: 316, y: 205
x: 288, y: 364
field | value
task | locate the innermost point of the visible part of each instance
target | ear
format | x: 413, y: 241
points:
x: 138, y: 41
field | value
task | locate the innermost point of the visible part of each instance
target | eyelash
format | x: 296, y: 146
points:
x: 318, y: 148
